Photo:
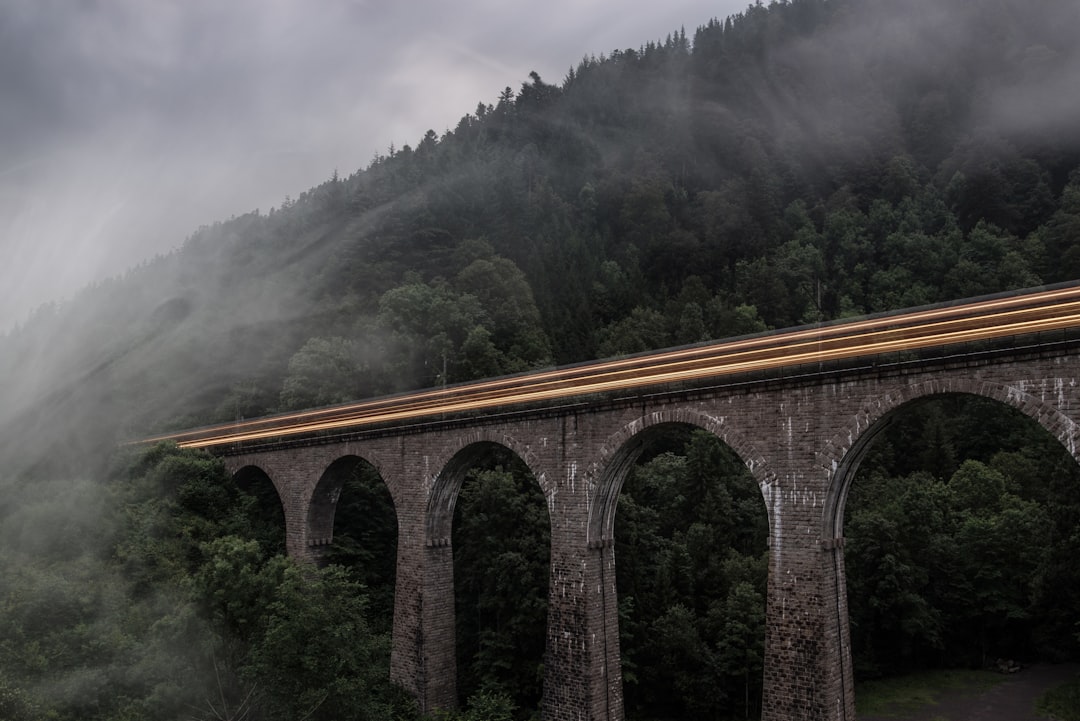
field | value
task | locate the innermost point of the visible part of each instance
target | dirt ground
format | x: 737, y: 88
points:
x: 1011, y: 700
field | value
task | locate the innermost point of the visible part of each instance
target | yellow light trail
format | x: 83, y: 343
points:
x: 979, y: 320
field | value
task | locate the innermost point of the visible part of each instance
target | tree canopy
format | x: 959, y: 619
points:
x: 800, y: 161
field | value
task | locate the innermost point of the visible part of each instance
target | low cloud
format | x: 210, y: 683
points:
x: 127, y: 125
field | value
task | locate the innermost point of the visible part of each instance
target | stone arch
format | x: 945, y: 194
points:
x: 840, y: 459
x: 248, y: 475
x: 271, y: 511
x: 465, y: 454
x: 322, y: 504
x: 622, y: 449
x: 607, y: 475
x: 842, y: 455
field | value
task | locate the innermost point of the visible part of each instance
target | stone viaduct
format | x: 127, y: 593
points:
x: 801, y: 433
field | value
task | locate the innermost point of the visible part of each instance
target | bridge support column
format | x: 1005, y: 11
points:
x: 583, y: 676
x: 437, y: 619
x: 807, y: 652
x: 840, y: 674
x: 605, y: 686
x: 807, y: 661
x: 582, y: 665
x: 423, y: 654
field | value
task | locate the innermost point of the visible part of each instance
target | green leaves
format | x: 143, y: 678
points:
x: 365, y: 541
x: 192, y: 615
x: 323, y: 372
x: 501, y: 541
x: 952, y: 565
x: 317, y: 658
x: 690, y: 539
x: 485, y: 323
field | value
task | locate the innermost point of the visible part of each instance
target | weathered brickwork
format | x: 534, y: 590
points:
x: 802, y: 439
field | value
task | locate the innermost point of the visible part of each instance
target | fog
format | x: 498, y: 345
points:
x: 127, y: 125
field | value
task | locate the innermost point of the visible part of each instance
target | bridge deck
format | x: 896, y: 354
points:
x: 877, y: 340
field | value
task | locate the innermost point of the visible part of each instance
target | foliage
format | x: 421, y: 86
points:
x: 955, y: 565
x: 173, y: 609
x: 365, y: 541
x: 909, y: 693
x: 1062, y: 702
x: 690, y: 552
x: 323, y: 372
x: 501, y: 541
x: 483, y: 706
x: 317, y: 658
x: 793, y: 163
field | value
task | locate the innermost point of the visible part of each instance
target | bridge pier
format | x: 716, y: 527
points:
x: 422, y: 659
x: 437, y: 628
x: 582, y: 665
x: 807, y: 661
x: 423, y: 656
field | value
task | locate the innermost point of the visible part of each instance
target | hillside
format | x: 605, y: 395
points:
x: 802, y: 161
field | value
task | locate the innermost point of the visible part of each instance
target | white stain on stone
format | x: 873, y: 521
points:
x: 551, y: 494
x: 804, y: 498
x: 1070, y: 436
x: 774, y: 503
x: 427, y: 471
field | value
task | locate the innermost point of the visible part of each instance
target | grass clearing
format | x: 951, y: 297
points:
x: 1062, y: 702
x: 903, y: 695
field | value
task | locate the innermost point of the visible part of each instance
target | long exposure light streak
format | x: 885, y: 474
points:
x: 979, y: 320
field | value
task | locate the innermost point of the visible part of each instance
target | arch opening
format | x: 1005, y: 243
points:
x: 961, y: 518
x: 501, y: 539
x: 353, y: 524
x: 264, y: 509
x: 690, y: 546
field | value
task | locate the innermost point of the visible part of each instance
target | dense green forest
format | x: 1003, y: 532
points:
x: 800, y: 161
x: 964, y: 550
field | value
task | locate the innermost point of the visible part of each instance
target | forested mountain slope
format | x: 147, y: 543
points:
x: 801, y: 161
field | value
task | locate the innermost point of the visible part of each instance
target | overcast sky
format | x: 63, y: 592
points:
x: 126, y: 124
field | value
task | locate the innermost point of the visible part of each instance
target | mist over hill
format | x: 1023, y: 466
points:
x: 801, y: 161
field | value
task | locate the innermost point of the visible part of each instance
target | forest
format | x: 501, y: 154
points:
x: 801, y: 161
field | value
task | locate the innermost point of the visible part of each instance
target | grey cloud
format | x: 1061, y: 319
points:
x: 127, y: 124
